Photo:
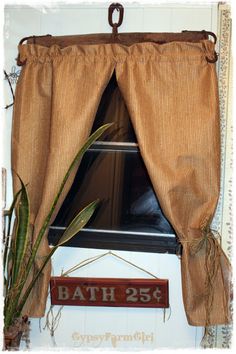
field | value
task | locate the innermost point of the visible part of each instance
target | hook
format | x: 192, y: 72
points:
x: 214, y: 60
x: 207, y: 34
x: 115, y: 25
x: 18, y: 61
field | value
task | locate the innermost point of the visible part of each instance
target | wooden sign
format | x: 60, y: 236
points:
x: 109, y: 292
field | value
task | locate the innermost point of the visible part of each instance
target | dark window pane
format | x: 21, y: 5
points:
x: 120, y: 181
x: 112, y: 108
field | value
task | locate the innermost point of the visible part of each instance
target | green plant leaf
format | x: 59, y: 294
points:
x: 10, y: 211
x: 75, y: 226
x: 21, y: 237
x: 78, y: 222
x: 7, y: 240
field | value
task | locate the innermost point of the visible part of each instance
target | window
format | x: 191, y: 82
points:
x: 129, y: 216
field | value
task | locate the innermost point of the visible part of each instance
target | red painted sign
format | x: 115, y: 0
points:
x: 109, y: 292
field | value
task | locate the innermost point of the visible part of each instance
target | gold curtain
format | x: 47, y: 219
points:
x: 172, y: 97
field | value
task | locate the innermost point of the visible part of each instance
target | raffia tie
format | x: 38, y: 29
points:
x: 212, y: 247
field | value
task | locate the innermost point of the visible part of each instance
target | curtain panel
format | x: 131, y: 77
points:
x: 171, y: 94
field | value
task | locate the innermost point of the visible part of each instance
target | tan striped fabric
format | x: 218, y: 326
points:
x: 172, y: 97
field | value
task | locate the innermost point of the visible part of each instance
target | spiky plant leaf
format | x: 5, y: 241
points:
x: 75, y: 226
x: 78, y: 222
x: 7, y: 241
x: 21, y: 238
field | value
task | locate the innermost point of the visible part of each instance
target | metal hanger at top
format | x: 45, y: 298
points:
x: 118, y: 7
x: 121, y: 38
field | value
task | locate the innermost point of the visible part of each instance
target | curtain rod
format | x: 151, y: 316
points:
x: 121, y: 38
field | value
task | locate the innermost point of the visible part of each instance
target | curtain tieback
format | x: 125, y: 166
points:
x: 209, y: 242
x: 208, y: 239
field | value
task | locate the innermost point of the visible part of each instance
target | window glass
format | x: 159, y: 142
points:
x: 112, y: 108
x: 120, y: 180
